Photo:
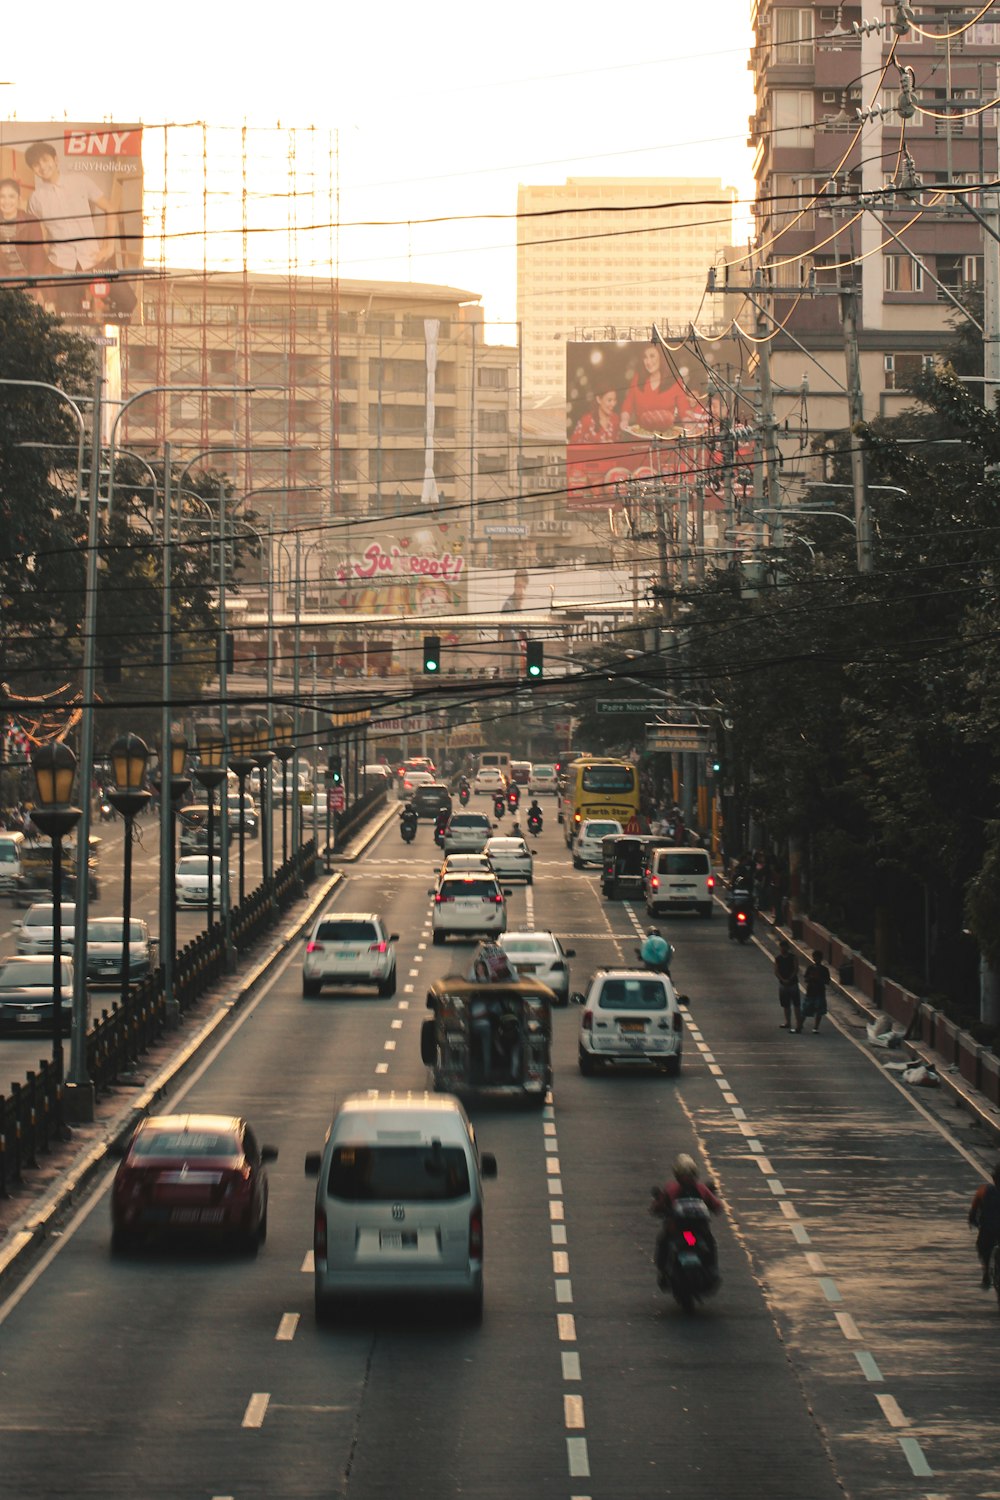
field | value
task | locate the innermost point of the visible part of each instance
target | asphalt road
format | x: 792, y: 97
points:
x: 849, y: 1349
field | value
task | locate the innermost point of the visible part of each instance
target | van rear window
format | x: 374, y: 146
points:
x: 684, y: 864
x: 392, y: 1174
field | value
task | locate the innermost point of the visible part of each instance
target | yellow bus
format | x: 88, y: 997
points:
x: 598, y: 787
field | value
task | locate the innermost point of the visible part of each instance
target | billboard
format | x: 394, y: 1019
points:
x: 71, y: 217
x: 398, y: 567
x: 634, y: 414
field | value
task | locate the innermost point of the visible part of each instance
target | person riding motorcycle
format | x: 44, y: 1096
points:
x: 513, y: 796
x: 408, y: 821
x: 741, y: 901
x: 464, y: 790
x: 499, y: 805
x: 535, y: 817
x: 684, y: 1184
x: 984, y: 1215
x: 441, y: 821
x: 656, y: 952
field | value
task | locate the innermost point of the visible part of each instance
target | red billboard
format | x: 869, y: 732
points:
x: 71, y: 217
x: 635, y: 413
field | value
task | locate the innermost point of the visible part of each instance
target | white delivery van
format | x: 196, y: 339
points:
x: 497, y: 760
x: 680, y: 880
x: 11, y: 874
x: 399, y: 1201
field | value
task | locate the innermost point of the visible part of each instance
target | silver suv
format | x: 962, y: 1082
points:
x: 630, y: 1017
x: 349, y: 948
x: 35, y: 933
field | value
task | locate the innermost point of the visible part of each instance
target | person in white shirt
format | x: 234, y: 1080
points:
x: 75, y: 240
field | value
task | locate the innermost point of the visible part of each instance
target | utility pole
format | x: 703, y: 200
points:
x: 991, y: 300
x: 768, y: 469
x: 859, y: 477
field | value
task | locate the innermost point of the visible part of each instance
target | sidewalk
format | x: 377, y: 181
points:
x: 40, y: 1202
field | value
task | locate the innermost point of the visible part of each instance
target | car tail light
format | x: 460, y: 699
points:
x: 314, y: 947
x: 237, y: 1182
x: 378, y: 948
x: 497, y: 899
x: 319, y: 1235
x: 711, y: 882
x: 588, y: 1020
x: 476, y: 1234
x: 678, y: 1020
x: 689, y: 1238
x: 439, y: 900
x: 655, y: 882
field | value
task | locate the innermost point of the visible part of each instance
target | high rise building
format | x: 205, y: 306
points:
x: 871, y: 150
x: 606, y: 257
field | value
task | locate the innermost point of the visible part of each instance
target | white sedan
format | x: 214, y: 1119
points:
x: 490, y: 781
x: 191, y: 880
x: 511, y: 858
x: 541, y: 955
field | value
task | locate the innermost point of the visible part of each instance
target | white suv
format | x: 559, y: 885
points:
x: 490, y: 780
x: 350, y: 948
x: 467, y: 833
x: 630, y: 1016
x: 468, y: 906
x: 587, y: 844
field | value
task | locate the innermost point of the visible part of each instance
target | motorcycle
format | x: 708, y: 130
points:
x: 534, y: 824
x: 741, y: 920
x: 107, y: 812
x: 407, y: 827
x: 685, y: 1251
x: 513, y: 799
x: 464, y: 793
x: 499, y: 805
x: 663, y: 967
x: 440, y: 829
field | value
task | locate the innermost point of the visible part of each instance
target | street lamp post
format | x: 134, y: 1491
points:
x: 242, y: 735
x: 54, y: 766
x: 284, y: 749
x: 211, y: 772
x: 263, y: 758
x: 173, y: 783
x: 129, y: 755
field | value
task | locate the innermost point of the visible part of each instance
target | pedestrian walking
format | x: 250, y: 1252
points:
x: 816, y: 977
x: 786, y: 969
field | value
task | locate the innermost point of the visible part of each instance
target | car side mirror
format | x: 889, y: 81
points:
x: 313, y: 1162
x: 394, y: 937
x: 507, y: 892
x: 577, y: 999
x: 569, y: 952
x: 488, y: 1164
x: 431, y: 892
x: 268, y: 1153
x: 683, y: 1000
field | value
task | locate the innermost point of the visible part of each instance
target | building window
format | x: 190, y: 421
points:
x: 793, y: 34
x: 793, y: 116
x: 902, y: 371
x: 492, y: 421
x: 492, y: 379
x: 491, y: 463
x: 903, y: 274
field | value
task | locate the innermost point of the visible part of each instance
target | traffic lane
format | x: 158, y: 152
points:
x: 853, y: 1202
x: 673, y: 1403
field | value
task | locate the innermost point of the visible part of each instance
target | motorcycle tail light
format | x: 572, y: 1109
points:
x: 476, y: 1234
x: 588, y: 1020
x: 314, y: 947
x: 741, y: 916
x: 690, y: 1239
x: 711, y: 882
x: 319, y: 1235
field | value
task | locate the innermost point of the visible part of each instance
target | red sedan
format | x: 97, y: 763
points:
x: 201, y: 1175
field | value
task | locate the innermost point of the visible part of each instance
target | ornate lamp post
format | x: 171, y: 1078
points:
x: 54, y: 766
x: 173, y: 762
x: 284, y: 749
x: 129, y: 755
x: 211, y: 772
x: 242, y: 753
x: 263, y: 758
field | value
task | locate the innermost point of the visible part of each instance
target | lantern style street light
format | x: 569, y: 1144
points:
x: 263, y: 759
x: 129, y: 755
x: 54, y: 767
x: 284, y: 749
x: 173, y: 762
x: 211, y: 772
x: 242, y: 759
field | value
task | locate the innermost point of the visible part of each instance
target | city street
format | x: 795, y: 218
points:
x: 843, y: 1353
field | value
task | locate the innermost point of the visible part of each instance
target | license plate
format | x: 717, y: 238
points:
x: 527, y: 968
x: 634, y: 1026
x: 348, y: 954
x: 196, y: 1216
x: 398, y: 1239
x: 27, y: 1018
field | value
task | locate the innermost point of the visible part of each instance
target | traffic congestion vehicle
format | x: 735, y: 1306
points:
x: 520, y: 773
x: 623, y: 865
x: 429, y: 798
x: 349, y: 948
x: 468, y: 906
x: 411, y: 780
x: 191, y: 880
x: 489, y: 1036
x: 199, y: 1175
x: 466, y: 864
x: 543, y: 779
x: 680, y: 879
x: 11, y: 872
x: 510, y: 857
x: 467, y: 833
x: 105, y: 942
x: 630, y: 1018
x: 27, y: 999
x: 36, y: 929
x: 489, y: 780
x: 245, y: 814
x: 399, y: 1202
x: 599, y: 787
x: 588, y: 845
x: 540, y: 955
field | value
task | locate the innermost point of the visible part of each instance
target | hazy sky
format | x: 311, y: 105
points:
x: 439, y: 111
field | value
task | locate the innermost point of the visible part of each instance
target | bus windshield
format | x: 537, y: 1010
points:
x: 608, y: 779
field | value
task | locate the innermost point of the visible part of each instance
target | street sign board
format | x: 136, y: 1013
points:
x: 336, y: 799
x: 623, y: 705
x: 678, y: 737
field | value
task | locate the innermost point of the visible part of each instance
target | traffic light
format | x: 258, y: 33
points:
x: 716, y: 765
x: 334, y: 769
x: 432, y: 653
x: 535, y: 659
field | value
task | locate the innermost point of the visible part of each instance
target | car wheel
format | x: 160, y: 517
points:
x: 577, y: 863
x: 388, y: 986
x: 439, y: 938
x: 587, y: 1065
x: 310, y: 988
x: 672, y: 1066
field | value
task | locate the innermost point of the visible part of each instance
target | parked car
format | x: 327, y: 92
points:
x: 467, y: 833
x: 349, y: 948
x: 586, y: 847
x: 200, y: 1175
x: 468, y: 906
x: 105, y: 940
x: 630, y: 1017
x: 542, y: 956
x: 399, y: 1202
x: 26, y: 994
x: 510, y: 858
x: 35, y: 932
x: 191, y: 880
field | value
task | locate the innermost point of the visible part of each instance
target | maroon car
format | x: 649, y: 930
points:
x: 202, y: 1175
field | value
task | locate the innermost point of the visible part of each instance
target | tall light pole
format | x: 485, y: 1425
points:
x: 242, y: 750
x: 211, y: 772
x: 284, y: 749
x: 173, y: 783
x: 129, y: 755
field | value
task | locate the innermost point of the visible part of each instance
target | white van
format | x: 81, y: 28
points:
x: 497, y: 760
x: 11, y: 873
x: 399, y: 1201
x: 679, y: 880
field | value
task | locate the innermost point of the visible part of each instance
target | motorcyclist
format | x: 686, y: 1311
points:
x: 685, y: 1184
x: 464, y: 790
x: 535, y: 815
x: 408, y: 819
x: 656, y: 952
x: 984, y: 1215
x: 741, y: 901
x: 499, y: 805
x: 441, y: 821
x: 513, y: 796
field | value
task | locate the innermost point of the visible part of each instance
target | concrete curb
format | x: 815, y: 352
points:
x: 37, y: 1223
